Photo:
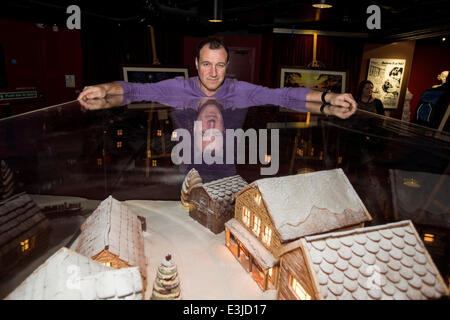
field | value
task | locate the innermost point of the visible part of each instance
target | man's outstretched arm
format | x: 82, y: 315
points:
x: 344, y: 100
x: 100, y: 91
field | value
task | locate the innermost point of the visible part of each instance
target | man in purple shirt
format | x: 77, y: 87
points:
x: 211, y: 62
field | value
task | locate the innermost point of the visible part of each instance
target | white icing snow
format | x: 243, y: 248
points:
x: 290, y: 199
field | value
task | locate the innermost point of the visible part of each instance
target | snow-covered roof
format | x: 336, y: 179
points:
x: 311, y: 203
x: 263, y: 256
x: 381, y: 262
x: 67, y: 275
x: 113, y: 227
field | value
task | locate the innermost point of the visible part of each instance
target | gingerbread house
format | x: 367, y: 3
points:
x: 67, y: 275
x: 23, y: 229
x: 381, y: 262
x: 112, y: 235
x: 212, y: 203
x: 271, y: 213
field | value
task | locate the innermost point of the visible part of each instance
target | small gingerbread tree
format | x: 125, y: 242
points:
x: 166, y: 285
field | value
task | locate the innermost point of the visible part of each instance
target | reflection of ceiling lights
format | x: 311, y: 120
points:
x: 411, y: 182
x: 304, y: 170
x: 322, y: 4
x: 217, y: 12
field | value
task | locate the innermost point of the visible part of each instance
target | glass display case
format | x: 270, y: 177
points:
x: 70, y: 157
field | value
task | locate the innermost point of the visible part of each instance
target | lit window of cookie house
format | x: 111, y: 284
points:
x: 288, y: 210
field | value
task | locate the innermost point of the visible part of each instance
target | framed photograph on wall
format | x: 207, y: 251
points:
x: 386, y: 76
x: 322, y: 80
x: 150, y: 74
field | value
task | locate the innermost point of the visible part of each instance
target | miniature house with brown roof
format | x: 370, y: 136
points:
x: 212, y: 203
x: 23, y: 229
x: 112, y: 235
x: 380, y: 262
x: 273, y: 212
x: 67, y: 275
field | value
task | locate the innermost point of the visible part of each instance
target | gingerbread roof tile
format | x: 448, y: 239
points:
x: 67, y: 275
x: 311, y: 203
x: 222, y: 191
x: 114, y: 228
x: 381, y: 262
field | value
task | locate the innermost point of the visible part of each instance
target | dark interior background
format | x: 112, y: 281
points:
x: 39, y: 50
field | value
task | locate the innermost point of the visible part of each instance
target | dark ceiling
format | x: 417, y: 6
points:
x: 400, y: 19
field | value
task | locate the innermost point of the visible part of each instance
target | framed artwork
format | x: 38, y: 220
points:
x: 150, y: 74
x: 386, y: 76
x: 322, y: 80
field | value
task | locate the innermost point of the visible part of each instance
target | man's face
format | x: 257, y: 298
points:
x: 211, y: 67
x: 211, y: 118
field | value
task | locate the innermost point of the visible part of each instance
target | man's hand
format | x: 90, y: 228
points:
x: 338, y: 111
x: 344, y: 100
x: 103, y: 103
x: 92, y: 92
x: 331, y: 110
x: 100, y: 91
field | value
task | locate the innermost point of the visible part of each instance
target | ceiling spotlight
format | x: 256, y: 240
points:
x: 443, y: 39
x: 218, y: 14
x: 322, y: 4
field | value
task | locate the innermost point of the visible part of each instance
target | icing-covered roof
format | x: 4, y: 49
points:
x: 381, y: 262
x: 113, y: 227
x: 67, y: 275
x: 311, y: 203
x: 262, y: 255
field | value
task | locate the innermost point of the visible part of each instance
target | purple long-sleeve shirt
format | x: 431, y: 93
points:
x: 239, y: 94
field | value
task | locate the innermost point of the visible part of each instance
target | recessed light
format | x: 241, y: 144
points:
x: 322, y: 4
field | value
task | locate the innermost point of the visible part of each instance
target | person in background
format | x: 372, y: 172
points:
x: 365, y: 99
x: 442, y: 77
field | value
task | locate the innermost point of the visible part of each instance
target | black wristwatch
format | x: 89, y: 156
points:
x: 323, y: 107
x: 323, y: 97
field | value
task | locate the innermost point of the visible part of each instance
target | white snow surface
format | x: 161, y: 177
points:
x: 290, y: 199
x: 206, y: 268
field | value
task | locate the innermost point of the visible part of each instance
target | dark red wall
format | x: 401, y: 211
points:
x: 43, y: 58
x: 429, y: 60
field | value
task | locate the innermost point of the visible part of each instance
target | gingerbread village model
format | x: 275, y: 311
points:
x: 300, y: 235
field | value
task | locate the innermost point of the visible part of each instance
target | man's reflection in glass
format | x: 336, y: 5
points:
x: 206, y: 125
